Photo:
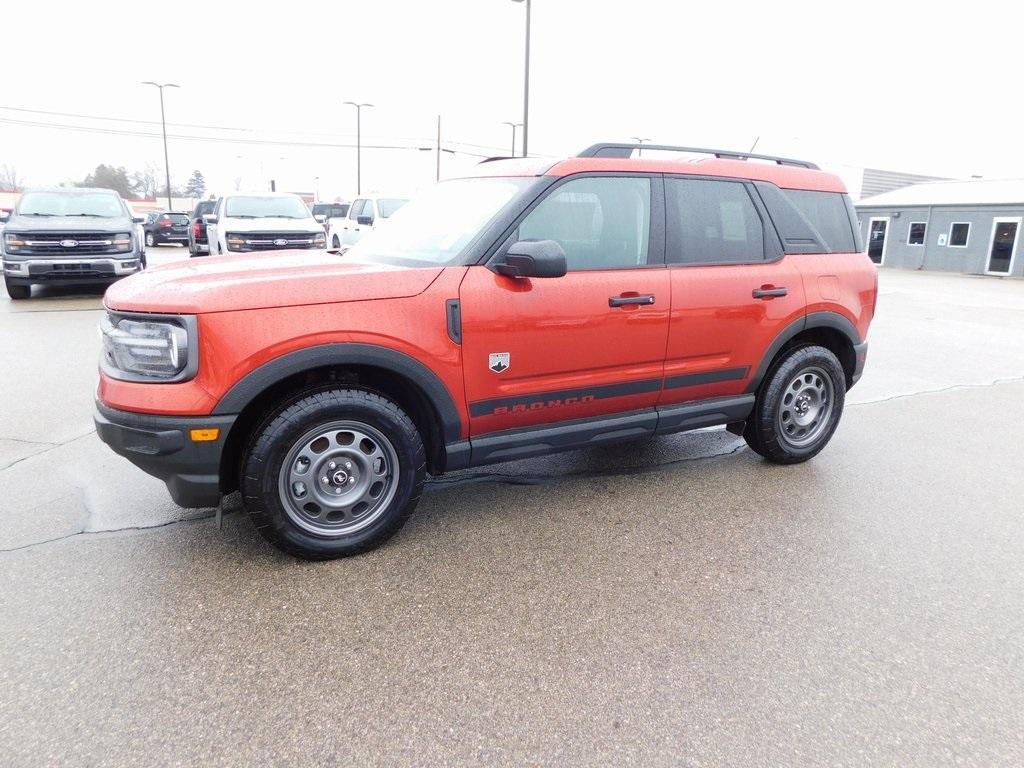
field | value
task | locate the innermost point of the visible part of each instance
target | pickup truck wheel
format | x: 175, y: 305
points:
x: 334, y: 473
x: 335, y: 242
x: 798, y: 406
x: 17, y: 291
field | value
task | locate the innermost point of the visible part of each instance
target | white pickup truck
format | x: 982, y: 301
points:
x: 364, y: 214
x: 268, y: 221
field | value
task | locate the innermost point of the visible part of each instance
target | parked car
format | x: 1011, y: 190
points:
x: 262, y: 222
x: 324, y: 212
x: 536, y: 307
x: 197, y: 243
x: 166, y: 227
x: 71, y: 236
x: 364, y: 214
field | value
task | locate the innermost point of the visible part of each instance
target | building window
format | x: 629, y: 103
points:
x: 959, y: 232
x: 917, y: 230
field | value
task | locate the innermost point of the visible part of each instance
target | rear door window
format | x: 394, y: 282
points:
x: 712, y: 222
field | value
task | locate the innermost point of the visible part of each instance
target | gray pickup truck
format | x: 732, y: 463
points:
x: 70, y: 236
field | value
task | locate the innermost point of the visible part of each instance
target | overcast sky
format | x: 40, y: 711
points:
x: 930, y: 88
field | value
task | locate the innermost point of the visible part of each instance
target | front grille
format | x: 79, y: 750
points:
x: 275, y: 241
x: 69, y: 243
x: 72, y: 269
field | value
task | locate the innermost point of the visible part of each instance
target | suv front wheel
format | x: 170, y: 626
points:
x: 334, y: 473
x: 798, y: 406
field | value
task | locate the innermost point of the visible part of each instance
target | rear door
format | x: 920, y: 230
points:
x: 588, y: 344
x: 733, y: 291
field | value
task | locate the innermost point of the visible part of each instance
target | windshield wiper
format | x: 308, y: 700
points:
x: 90, y: 215
x: 49, y: 215
x: 240, y: 216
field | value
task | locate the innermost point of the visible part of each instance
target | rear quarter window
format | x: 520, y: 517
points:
x: 828, y: 213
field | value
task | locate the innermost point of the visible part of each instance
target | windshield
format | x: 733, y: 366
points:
x: 106, y: 205
x: 266, y: 207
x: 436, y: 226
x: 388, y: 205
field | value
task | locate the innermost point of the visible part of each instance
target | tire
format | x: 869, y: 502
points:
x: 315, y: 461
x: 150, y: 240
x: 798, y: 406
x: 335, y: 242
x: 17, y: 292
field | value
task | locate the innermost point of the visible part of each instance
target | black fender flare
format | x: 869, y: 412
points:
x: 832, y: 320
x: 246, y: 389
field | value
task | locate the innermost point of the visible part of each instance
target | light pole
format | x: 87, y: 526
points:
x: 640, y: 141
x: 163, y: 125
x: 359, y: 143
x: 514, y: 126
x: 526, y: 83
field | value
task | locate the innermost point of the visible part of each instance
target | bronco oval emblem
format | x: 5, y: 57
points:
x: 68, y: 243
x: 280, y: 241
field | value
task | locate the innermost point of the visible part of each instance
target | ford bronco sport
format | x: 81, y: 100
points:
x: 535, y: 307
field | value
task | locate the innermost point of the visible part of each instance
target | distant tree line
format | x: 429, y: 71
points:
x: 141, y: 184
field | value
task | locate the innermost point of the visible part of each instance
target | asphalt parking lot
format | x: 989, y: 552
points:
x: 677, y: 602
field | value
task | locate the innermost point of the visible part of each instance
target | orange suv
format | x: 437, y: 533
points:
x: 531, y: 308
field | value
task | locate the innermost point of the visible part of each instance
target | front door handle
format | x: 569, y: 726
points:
x: 623, y: 301
x: 768, y: 292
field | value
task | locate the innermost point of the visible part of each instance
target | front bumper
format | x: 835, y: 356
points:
x: 33, y: 270
x: 161, y: 446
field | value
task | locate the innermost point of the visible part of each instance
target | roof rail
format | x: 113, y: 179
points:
x: 626, y: 150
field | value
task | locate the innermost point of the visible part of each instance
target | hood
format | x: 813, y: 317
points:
x: 258, y: 281
x: 270, y: 224
x: 69, y: 224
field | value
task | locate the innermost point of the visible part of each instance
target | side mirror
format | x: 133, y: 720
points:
x: 210, y: 218
x: 533, y: 258
x: 138, y: 219
x: 366, y: 221
x: 320, y: 218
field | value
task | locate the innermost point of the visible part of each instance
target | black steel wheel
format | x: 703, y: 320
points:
x: 333, y: 473
x: 798, y: 406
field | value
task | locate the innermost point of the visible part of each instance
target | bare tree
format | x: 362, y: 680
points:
x: 144, y: 182
x: 9, y: 178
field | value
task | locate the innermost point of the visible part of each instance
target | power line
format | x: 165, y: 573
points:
x: 491, y: 147
x: 213, y: 139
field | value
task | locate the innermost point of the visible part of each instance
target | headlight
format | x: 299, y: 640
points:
x: 123, y: 242
x: 13, y: 242
x: 320, y: 240
x: 235, y: 242
x: 143, y: 349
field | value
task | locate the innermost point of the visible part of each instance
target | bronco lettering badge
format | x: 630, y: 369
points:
x: 498, y: 361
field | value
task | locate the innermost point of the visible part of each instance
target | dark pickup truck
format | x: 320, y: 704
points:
x: 198, y: 245
x: 71, y: 236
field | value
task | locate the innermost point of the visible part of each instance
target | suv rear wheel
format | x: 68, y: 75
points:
x: 334, y: 473
x: 17, y: 291
x: 798, y: 406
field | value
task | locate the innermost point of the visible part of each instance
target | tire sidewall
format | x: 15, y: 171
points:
x: 275, y: 438
x: 769, y: 402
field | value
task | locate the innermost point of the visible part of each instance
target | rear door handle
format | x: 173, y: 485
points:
x: 623, y: 301
x: 768, y: 292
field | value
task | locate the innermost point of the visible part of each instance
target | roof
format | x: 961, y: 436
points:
x: 970, y: 192
x: 785, y: 176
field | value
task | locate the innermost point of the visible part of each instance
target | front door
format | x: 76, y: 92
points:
x: 551, y: 350
x: 877, y: 230
x: 1003, y: 246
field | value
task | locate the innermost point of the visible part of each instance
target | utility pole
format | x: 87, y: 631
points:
x: 526, y: 83
x: 514, y: 126
x: 438, y: 148
x: 163, y: 126
x: 359, y: 144
x: 638, y: 140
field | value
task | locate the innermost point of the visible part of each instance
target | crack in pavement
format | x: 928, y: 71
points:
x: 492, y: 477
x: 950, y: 388
x: 50, y: 447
